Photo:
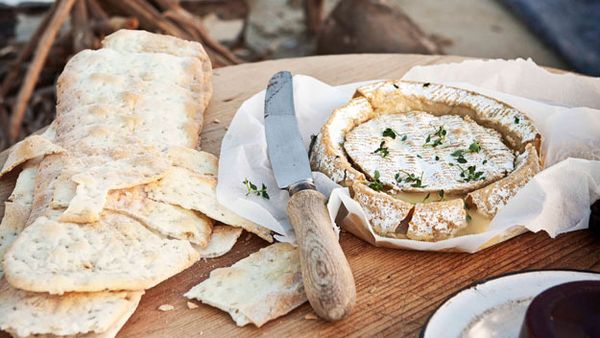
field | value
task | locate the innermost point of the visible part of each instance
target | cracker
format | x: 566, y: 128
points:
x: 17, y: 209
x: 200, y: 162
x: 121, y: 168
x: 198, y: 192
x: 261, y: 287
x: 116, y: 253
x: 25, y: 313
x: 29, y: 148
x: 222, y: 239
x: 169, y: 220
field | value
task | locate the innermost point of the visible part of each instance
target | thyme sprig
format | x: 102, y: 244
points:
x: 382, y: 150
x: 471, y: 174
x: 376, y: 184
x: 474, y: 147
x: 253, y: 189
x: 417, y: 181
x: 437, y: 138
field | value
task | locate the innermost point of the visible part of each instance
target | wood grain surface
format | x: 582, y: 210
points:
x: 397, y: 290
x: 328, y: 279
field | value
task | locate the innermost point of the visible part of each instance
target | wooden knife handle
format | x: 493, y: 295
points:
x: 328, y: 280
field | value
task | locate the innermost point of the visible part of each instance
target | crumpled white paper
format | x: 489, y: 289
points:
x: 556, y: 200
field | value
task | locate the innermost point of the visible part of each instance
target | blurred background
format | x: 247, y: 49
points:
x: 38, y: 37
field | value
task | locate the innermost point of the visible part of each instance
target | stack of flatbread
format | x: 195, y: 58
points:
x: 113, y: 198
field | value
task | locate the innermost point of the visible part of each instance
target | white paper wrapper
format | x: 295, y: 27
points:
x: 557, y: 200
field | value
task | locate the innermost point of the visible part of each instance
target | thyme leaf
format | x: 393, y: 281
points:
x: 389, y: 132
x: 417, y: 181
x: 253, y: 189
x: 376, y: 184
x: 382, y: 150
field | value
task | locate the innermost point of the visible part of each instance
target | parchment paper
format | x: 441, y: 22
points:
x: 556, y: 200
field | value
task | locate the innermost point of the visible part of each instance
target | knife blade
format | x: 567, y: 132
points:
x: 288, y: 156
x: 326, y: 274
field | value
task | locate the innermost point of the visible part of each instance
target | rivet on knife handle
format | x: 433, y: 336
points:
x: 328, y: 280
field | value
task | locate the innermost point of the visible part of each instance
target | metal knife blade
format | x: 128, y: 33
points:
x: 288, y: 156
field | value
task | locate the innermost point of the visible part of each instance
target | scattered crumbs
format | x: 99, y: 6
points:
x: 166, y: 307
x: 216, y: 121
x: 191, y: 305
x: 310, y: 316
x: 373, y: 289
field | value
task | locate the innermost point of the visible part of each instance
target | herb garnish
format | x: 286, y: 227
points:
x: 437, y: 158
x: 395, y: 85
x: 471, y: 174
x: 517, y: 120
x: 468, y: 218
x: 376, y: 184
x: 441, y: 194
x: 417, y: 182
x: 427, y: 197
x: 252, y: 189
x: 426, y: 84
x: 382, y: 150
x: 439, y: 135
x: 404, y: 138
x: 474, y: 147
x: 389, y: 132
x: 419, y: 156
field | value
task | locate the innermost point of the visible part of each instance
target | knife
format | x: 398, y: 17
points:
x: 327, y: 277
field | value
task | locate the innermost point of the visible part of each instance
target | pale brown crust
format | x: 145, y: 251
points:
x: 384, y: 212
x: 393, y: 97
x: 490, y: 199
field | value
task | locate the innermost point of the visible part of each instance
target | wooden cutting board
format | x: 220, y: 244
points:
x: 397, y: 289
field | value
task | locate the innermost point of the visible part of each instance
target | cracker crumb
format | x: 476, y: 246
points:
x: 216, y: 121
x: 310, y: 316
x: 166, y: 307
x: 191, y: 305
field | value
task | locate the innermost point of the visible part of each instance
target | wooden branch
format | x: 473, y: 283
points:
x: 80, y: 30
x: 11, y: 77
x: 96, y: 11
x: 41, y: 52
x: 184, y: 17
x: 148, y: 16
x: 313, y: 15
x: 113, y: 24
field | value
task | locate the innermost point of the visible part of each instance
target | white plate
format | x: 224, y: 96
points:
x: 495, y: 307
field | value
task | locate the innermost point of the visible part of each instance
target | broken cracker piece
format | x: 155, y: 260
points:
x: 261, y: 287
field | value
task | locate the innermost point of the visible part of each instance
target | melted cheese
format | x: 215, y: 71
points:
x: 411, y: 151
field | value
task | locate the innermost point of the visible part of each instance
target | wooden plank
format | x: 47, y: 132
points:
x: 396, y: 289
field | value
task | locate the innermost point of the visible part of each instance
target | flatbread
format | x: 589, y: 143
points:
x: 140, y: 41
x: 25, y: 313
x: 198, y: 192
x: 261, y: 287
x: 122, y: 168
x: 169, y: 220
x: 17, y: 209
x: 116, y: 253
x: 200, y: 162
x: 222, y: 239
x: 29, y: 148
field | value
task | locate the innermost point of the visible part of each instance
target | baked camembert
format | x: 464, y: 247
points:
x: 426, y: 161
